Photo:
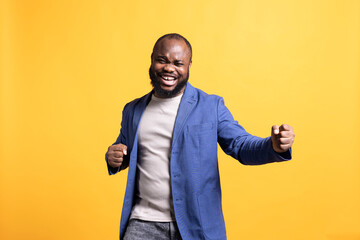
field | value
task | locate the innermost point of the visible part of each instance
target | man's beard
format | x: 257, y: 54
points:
x: 164, y: 93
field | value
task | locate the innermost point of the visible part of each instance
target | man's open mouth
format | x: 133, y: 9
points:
x: 168, y: 80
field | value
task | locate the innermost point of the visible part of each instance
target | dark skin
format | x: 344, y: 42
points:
x: 169, y: 70
x: 170, y: 64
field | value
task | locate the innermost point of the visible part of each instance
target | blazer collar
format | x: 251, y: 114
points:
x: 186, y: 105
x: 139, y: 109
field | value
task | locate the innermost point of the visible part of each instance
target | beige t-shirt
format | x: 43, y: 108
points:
x: 153, y: 200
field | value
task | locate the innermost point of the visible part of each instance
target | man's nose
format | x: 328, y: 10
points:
x: 169, y: 68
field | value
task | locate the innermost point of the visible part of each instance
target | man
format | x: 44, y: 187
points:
x: 168, y: 139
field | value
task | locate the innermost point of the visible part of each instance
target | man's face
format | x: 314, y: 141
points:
x: 169, y: 70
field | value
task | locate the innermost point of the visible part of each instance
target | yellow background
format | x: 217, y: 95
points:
x: 69, y: 67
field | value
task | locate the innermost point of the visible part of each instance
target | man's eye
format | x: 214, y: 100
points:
x: 161, y: 60
x: 179, y: 64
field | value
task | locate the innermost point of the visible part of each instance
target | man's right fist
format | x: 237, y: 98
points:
x: 115, y: 154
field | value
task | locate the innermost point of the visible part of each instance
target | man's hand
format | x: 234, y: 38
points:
x: 282, y: 137
x: 115, y: 154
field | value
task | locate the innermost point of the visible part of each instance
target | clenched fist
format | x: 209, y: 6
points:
x: 282, y: 137
x: 115, y: 154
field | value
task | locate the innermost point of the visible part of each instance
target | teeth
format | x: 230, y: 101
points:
x: 169, y: 78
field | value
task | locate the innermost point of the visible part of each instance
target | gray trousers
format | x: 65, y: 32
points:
x: 145, y: 230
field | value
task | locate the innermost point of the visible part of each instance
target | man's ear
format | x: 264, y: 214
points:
x: 190, y: 63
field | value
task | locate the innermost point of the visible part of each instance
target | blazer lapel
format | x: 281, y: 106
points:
x: 186, y: 105
x: 139, y: 110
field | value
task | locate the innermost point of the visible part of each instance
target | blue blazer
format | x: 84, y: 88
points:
x: 202, y: 122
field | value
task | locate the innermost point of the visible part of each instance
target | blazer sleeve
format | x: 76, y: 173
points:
x: 123, y: 140
x: 248, y: 149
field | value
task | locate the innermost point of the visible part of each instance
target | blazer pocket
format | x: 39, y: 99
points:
x: 201, y: 128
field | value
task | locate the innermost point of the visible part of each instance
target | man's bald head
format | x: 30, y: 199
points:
x: 174, y: 36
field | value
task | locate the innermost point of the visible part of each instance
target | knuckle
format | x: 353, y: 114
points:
x: 284, y: 146
x: 123, y: 147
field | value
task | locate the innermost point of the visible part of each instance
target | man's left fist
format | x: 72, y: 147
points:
x: 282, y: 137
